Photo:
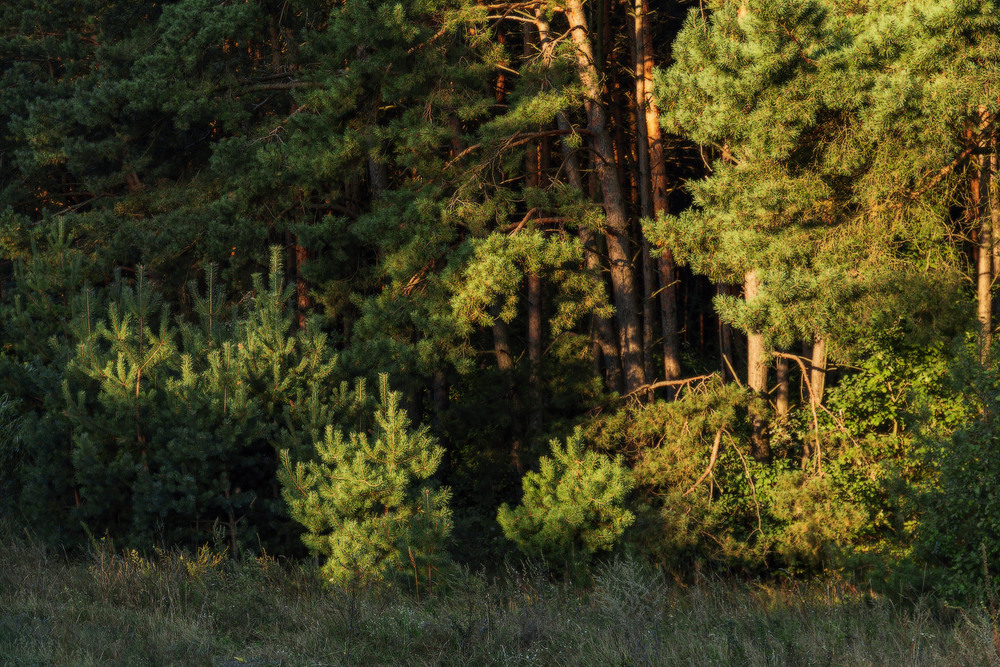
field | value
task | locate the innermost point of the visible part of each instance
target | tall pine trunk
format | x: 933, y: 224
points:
x: 604, y: 336
x: 993, y: 193
x: 980, y: 199
x: 643, y: 188
x: 782, y: 403
x: 618, y: 237
x: 651, y: 137
x: 757, y: 376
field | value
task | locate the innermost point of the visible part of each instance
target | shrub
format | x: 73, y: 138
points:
x: 365, y: 501
x: 572, y: 507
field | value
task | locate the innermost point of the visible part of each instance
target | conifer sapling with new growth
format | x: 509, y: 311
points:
x: 365, y: 500
x: 573, y: 506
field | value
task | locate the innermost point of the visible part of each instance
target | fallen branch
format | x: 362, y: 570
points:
x: 711, y: 462
x: 668, y: 383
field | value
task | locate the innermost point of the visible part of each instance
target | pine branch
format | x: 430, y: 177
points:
x: 516, y: 139
x: 284, y: 85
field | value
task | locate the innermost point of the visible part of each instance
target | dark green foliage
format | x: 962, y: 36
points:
x: 167, y: 428
x: 959, y: 532
x: 429, y: 172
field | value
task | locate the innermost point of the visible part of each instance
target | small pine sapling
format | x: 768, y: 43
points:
x: 572, y: 507
x: 365, y: 501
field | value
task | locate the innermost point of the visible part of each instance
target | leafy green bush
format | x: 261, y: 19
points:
x: 959, y: 532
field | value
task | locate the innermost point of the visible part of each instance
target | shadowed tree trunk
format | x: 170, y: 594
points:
x: 618, y: 238
x: 781, y: 402
x: 726, y: 348
x: 651, y: 138
x: 604, y: 336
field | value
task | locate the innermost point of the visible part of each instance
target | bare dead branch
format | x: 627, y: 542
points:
x: 711, y: 462
x: 812, y: 405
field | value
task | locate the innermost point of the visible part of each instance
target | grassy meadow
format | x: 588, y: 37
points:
x: 118, y: 608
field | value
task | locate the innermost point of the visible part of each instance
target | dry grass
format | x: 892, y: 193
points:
x: 177, y: 609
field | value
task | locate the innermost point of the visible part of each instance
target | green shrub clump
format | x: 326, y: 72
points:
x: 365, y: 500
x: 572, y: 507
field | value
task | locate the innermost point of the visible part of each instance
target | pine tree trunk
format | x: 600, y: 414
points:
x: 817, y: 373
x: 604, y: 337
x: 534, y: 355
x: 643, y: 189
x: 501, y: 345
x: 618, y: 238
x: 505, y: 362
x: 981, y: 188
x: 378, y: 178
x: 294, y: 261
x: 782, y: 402
x: 648, y: 310
x: 757, y: 376
x: 439, y: 397
x: 302, y: 300
x: 651, y: 148
x: 994, y: 203
x: 725, y: 341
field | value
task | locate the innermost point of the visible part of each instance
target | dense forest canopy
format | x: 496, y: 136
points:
x: 429, y: 281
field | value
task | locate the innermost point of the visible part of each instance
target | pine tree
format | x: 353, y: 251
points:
x: 572, y: 507
x: 365, y: 499
x: 829, y: 130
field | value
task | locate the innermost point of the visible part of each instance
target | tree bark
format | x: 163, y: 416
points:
x: 604, y: 336
x: 757, y: 375
x: 643, y: 189
x: 296, y: 259
x: 725, y: 341
x: 618, y: 238
x: 817, y: 373
x: 535, y: 355
x: 654, y: 186
x: 994, y: 203
x: 302, y: 300
x: 648, y: 314
x: 981, y: 188
x: 501, y: 345
x: 782, y: 402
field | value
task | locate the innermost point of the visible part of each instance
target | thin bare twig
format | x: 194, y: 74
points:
x: 753, y: 487
x: 813, y: 400
x: 736, y: 378
x: 517, y: 139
